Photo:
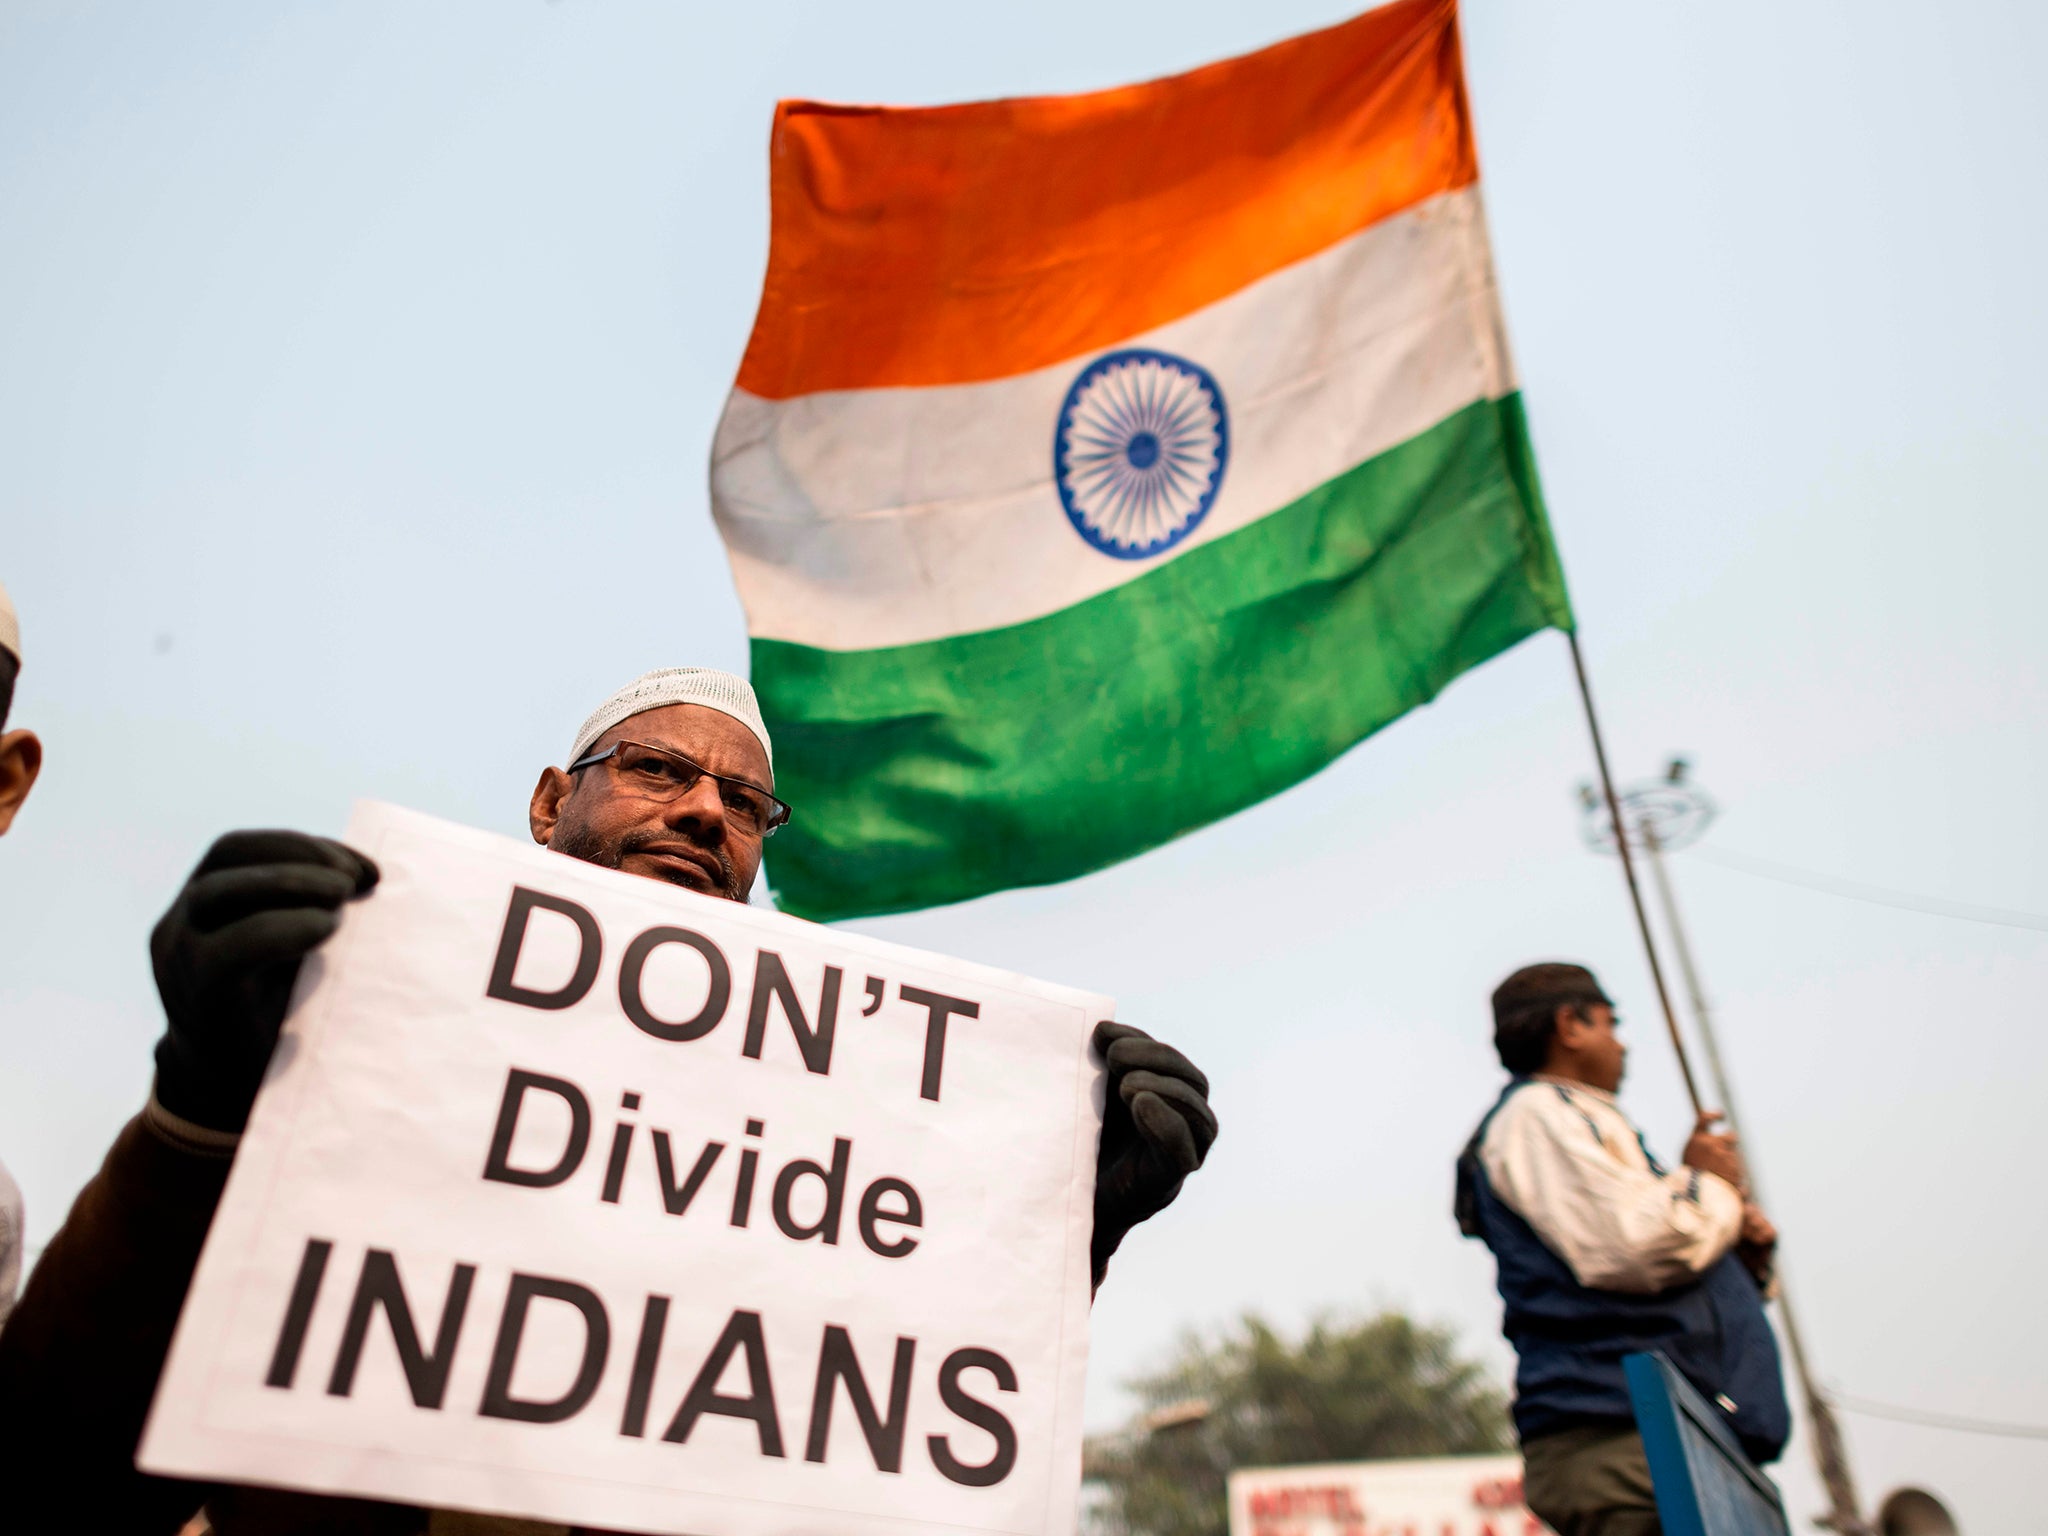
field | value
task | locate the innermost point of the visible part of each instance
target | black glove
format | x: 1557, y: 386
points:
x: 1156, y: 1129
x: 226, y: 955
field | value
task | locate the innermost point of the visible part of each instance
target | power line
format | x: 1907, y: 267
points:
x: 1955, y: 1421
x: 1876, y: 895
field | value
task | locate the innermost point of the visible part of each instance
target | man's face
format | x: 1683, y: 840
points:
x: 1588, y: 1034
x: 688, y: 841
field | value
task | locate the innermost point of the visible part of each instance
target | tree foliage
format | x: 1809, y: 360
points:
x: 1348, y: 1390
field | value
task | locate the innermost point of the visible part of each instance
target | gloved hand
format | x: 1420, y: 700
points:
x: 1156, y: 1129
x: 226, y: 955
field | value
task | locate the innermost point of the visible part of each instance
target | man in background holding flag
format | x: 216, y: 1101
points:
x: 1603, y: 1253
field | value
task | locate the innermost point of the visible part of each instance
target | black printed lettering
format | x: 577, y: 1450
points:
x: 298, y: 1312
x: 938, y: 1009
x: 834, y: 1179
x: 673, y: 1200
x: 836, y: 1363
x: 981, y: 1415
x: 871, y: 1212
x: 771, y: 980
x: 706, y: 1018
x: 498, y: 1401
x: 742, y: 1334
x: 498, y: 1164
x: 653, y: 1322
x: 589, y: 952
x: 426, y: 1371
x: 615, y: 1168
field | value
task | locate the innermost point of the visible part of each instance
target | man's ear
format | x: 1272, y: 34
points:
x: 21, y: 759
x: 544, y: 810
x: 1572, y: 1025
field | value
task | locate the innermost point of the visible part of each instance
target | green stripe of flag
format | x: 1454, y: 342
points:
x: 930, y: 773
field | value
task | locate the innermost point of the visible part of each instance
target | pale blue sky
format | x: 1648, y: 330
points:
x: 357, y: 371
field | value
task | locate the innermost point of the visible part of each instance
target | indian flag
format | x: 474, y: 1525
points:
x: 1100, y: 465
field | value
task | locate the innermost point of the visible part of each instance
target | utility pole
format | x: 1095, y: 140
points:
x: 1663, y: 816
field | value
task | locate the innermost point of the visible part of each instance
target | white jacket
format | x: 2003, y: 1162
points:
x: 1566, y: 1160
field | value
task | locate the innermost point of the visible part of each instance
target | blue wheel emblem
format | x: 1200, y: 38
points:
x: 1139, y: 452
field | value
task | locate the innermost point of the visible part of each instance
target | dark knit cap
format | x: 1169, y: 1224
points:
x: 1552, y: 984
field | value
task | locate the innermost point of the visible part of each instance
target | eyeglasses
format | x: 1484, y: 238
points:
x: 655, y: 773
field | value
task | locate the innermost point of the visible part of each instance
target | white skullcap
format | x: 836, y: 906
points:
x: 10, y: 627
x: 713, y: 689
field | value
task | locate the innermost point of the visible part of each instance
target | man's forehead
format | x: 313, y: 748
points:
x: 709, y: 737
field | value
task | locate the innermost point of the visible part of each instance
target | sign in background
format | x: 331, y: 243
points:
x: 577, y: 1196
x: 1428, y: 1496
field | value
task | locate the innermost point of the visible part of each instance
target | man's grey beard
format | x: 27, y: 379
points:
x: 610, y: 853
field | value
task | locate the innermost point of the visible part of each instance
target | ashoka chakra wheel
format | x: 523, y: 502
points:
x: 1140, y: 449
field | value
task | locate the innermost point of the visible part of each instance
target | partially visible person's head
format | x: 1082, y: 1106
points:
x: 21, y: 754
x: 672, y: 778
x: 1554, y: 1019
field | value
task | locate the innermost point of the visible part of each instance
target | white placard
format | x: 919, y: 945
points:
x: 576, y: 1196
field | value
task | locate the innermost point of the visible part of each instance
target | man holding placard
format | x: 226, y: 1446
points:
x: 517, y: 1225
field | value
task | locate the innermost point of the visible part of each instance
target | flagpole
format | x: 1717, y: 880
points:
x: 1628, y: 870
x: 1830, y: 1450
